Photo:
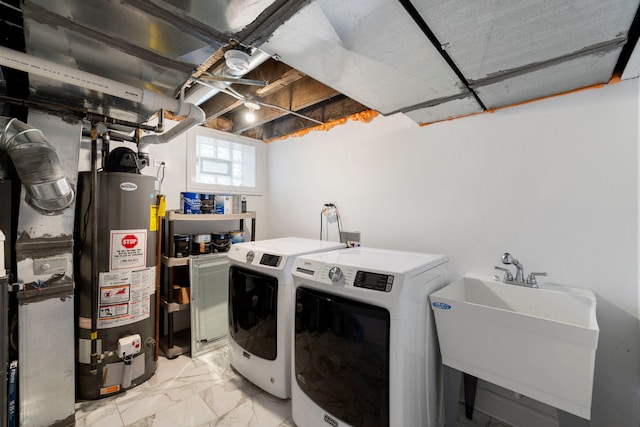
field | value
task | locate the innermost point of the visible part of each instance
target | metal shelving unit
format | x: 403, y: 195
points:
x: 177, y: 343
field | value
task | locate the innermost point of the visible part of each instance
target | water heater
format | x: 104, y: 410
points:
x: 115, y: 294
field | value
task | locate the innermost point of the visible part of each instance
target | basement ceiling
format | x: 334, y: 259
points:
x: 322, y: 60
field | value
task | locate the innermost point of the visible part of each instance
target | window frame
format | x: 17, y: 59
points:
x: 193, y: 186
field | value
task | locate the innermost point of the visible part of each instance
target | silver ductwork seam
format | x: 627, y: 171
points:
x: 48, y: 189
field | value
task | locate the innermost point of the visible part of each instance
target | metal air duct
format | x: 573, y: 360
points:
x: 42, y: 67
x: 201, y: 92
x: 48, y: 189
x: 195, y: 116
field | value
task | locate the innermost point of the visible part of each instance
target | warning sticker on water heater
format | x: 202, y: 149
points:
x: 128, y: 249
x: 125, y: 296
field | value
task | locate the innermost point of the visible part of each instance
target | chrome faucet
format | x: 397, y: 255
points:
x: 508, y: 259
x: 519, y: 279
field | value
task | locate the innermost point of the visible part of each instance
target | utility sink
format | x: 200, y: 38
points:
x: 540, y: 342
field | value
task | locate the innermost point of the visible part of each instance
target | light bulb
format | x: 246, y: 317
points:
x: 250, y: 116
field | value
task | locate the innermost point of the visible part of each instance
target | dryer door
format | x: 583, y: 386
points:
x: 341, y: 351
x: 253, y: 306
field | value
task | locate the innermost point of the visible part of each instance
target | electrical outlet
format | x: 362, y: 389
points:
x: 157, y: 163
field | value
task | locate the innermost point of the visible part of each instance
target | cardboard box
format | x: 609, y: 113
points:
x: 181, y: 295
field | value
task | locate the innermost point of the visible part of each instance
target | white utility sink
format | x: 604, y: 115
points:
x: 540, y: 342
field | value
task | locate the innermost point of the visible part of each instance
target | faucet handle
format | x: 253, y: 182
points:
x: 531, y: 279
x: 507, y: 273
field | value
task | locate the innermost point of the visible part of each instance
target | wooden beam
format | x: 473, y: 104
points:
x: 334, y: 109
x: 283, y: 81
x: 219, y: 105
x: 213, y: 59
x: 298, y: 95
x: 272, y: 71
x: 219, y: 123
x: 309, y: 92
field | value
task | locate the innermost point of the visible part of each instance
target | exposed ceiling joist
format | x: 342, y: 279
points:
x: 295, y: 97
x: 333, y: 109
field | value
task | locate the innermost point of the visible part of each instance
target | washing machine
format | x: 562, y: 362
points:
x: 364, y: 349
x: 260, y: 308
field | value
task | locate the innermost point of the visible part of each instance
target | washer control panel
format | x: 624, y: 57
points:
x: 375, y: 281
x: 335, y: 275
x: 270, y: 260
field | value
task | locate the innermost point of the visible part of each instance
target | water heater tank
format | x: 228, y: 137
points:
x: 124, y: 299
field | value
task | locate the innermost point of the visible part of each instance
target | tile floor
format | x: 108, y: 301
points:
x: 204, y: 392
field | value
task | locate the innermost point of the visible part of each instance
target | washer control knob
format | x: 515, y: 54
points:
x: 250, y: 256
x: 335, y: 274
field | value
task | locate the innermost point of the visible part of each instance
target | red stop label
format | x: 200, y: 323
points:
x: 129, y: 241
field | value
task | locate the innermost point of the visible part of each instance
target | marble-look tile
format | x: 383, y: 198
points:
x: 263, y: 410
x: 168, y: 369
x: 98, y: 413
x: 189, y: 392
x: 136, y: 406
x: 218, y: 361
x: 288, y: 423
x: 228, y: 395
x: 145, y: 422
x: 191, y: 412
x: 204, y: 391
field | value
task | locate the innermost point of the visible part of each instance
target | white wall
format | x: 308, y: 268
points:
x: 554, y: 182
x: 174, y: 154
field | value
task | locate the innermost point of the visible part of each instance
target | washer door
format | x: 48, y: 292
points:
x: 341, y: 351
x: 253, y: 306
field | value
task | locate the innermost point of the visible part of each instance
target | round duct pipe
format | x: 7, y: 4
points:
x: 48, y: 189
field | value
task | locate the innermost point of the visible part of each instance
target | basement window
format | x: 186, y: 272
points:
x: 220, y: 162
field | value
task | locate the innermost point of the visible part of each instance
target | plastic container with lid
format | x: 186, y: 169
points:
x: 202, y: 244
x: 221, y: 241
x: 181, y: 245
x: 189, y: 203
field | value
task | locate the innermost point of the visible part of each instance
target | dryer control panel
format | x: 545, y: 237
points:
x: 339, y: 275
x: 375, y: 281
x: 270, y: 260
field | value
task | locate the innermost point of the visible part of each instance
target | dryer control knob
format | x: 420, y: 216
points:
x: 249, y: 256
x: 335, y: 274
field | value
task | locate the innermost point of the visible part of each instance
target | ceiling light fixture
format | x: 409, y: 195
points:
x: 252, y: 105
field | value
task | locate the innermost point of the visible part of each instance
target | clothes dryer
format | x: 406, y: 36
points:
x: 260, y: 308
x: 364, y: 346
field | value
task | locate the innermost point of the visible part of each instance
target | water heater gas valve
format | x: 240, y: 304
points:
x: 129, y: 345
